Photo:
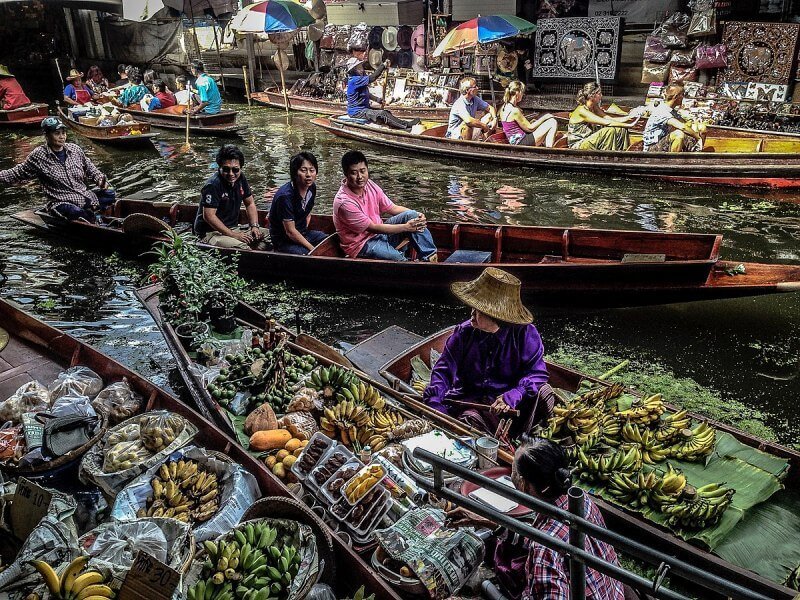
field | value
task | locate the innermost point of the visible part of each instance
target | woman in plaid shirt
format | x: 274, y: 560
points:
x: 541, y: 470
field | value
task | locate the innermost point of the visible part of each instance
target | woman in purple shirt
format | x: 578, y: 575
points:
x: 496, y: 359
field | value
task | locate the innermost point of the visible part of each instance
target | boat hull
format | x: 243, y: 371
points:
x: 27, y: 116
x: 221, y: 124
x: 117, y: 135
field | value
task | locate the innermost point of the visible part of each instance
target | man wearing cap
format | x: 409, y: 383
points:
x: 464, y: 122
x: 495, y: 359
x: 207, y: 90
x: 358, y: 96
x: 63, y: 170
x: 11, y: 94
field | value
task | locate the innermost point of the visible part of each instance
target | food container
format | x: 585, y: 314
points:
x: 363, y: 482
x: 319, y: 443
x: 374, y: 512
x: 335, y: 495
x: 332, y: 462
x: 341, y: 510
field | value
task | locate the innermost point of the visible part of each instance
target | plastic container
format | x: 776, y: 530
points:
x: 341, y: 510
x: 379, y: 474
x: 319, y: 439
x: 334, y: 496
x: 373, y: 514
x: 319, y: 475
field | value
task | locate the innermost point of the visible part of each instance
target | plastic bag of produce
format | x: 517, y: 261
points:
x: 30, y: 397
x: 72, y: 404
x: 91, y: 469
x: 12, y: 443
x: 77, y: 380
x: 158, y: 430
x: 125, y: 455
x: 217, y: 498
x: 128, y: 433
x: 118, y: 401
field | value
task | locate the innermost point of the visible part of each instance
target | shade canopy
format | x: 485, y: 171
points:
x: 483, y: 30
x: 271, y: 16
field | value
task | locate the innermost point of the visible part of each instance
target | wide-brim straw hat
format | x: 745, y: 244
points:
x: 375, y: 58
x: 74, y: 74
x: 4, y: 72
x: 389, y: 38
x: 352, y: 63
x: 495, y: 293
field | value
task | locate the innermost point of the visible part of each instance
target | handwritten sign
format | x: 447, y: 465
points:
x: 149, y: 579
x: 30, y: 505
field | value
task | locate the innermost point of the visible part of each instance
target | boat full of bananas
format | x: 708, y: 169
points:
x: 76, y: 582
x: 183, y: 490
x: 259, y: 560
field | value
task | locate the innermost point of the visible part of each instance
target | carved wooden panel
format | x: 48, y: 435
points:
x: 763, y: 52
x: 570, y: 48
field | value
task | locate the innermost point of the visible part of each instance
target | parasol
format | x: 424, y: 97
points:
x: 483, y: 30
x: 271, y: 16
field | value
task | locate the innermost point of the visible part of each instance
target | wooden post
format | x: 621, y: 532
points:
x: 246, y: 86
x: 283, y: 85
x: 219, y: 56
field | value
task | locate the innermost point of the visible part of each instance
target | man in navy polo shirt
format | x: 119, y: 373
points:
x: 290, y: 212
x: 217, y: 220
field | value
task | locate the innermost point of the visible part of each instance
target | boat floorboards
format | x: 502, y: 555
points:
x: 371, y: 354
x: 21, y: 363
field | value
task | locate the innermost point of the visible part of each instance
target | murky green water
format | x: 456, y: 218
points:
x: 746, y: 349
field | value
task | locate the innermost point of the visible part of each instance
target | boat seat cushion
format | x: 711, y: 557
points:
x: 469, y: 256
x: 353, y: 120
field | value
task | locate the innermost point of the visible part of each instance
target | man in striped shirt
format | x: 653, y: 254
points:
x: 63, y: 169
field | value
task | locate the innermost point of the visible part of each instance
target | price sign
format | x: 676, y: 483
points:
x: 29, y: 507
x: 149, y: 579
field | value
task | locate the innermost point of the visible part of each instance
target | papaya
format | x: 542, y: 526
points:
x: 269, y: 440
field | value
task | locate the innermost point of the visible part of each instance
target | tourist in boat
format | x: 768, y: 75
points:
x: 133, y: 94
x: 122, y: 72
x: 207, y: 90
x: 525, y: 569
x: 184, y: 94
x: 590, y: 128
x: 464, y: 122
x: 290, y: 211
x: 11, y: 94
x: 359, y: 98
x: 76, y: 92
x: 63, y: 169
x: 519, y: 131
x: 165, y: 97
x: 96, y: 81
x: 657, y: 136
x: 357, y: 210
x: 495, y: 359
x: 221, y: 199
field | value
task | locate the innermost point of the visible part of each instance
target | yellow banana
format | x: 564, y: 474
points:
x: 97, y: 589
x: 70, y: 574
x: 85, y: 580
x: 49, y: 575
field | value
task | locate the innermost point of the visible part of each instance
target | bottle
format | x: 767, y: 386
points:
x: 365, y: 456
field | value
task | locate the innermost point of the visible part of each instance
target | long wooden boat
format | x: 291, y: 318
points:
x: 738, y: 162
x: 556, y: 265
x: 398, y: 371
x: 221, y: 124
x: 25, y: 116
x: 37, y: 351
x: 127, y: 135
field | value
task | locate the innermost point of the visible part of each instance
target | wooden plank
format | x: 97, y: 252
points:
x: 371, y: 354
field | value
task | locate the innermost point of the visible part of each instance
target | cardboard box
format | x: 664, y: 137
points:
x: 89, y: 120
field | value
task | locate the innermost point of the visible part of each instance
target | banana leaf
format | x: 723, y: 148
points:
x: 419, y: 370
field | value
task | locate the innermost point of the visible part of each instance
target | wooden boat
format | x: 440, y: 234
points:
x: 37, y: 351
x: 556, y: 265
x: 221, y: 124
x: 398, y: 370
x: 738, y: 162
x: 273, y: 98
x: 127, y: 135
x: 25, y: 116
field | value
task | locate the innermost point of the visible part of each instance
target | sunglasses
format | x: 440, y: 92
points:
x: 233, y: 170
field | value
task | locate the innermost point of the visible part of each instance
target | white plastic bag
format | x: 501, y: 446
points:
x: 77, y: 380
x: 30, y: 397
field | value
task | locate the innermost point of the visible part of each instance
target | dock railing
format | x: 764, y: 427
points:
x: 578, y: 559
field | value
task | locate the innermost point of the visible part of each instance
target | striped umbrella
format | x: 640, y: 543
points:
x: 271, y: 16
x: 483, y: 30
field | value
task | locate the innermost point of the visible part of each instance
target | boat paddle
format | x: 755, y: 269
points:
x: 188, y: 116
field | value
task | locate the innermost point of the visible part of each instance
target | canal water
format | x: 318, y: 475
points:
x: 746, y: 350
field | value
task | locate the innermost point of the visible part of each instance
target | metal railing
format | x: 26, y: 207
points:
x: 578, y: 559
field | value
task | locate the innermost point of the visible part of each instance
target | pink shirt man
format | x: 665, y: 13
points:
x: 353, y: 214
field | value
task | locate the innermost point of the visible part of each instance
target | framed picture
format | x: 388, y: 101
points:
x: 577, y: 48
x: 442, y: 80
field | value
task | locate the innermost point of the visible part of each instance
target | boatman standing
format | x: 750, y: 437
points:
x: 63, y: 170
x: 358, y: 96
x: 11, y: 94
x: 207, y: 90
x: 496, y: 359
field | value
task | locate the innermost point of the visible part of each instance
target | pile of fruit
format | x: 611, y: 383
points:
x: 257, y: 563
x: 362, y: 483
x: 281, y: 462
x: 619, y: 448
x: 76, y: 582
x: 183, y: 490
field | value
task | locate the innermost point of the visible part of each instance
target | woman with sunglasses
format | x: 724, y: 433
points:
x: 590, y: 128
x: 221, y: 199
x: 541, y: 469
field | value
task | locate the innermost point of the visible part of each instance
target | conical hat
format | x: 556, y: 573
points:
x: 281, y: 59
x: 4, y: 72
x: 316, y: 30
x: 495, y: 293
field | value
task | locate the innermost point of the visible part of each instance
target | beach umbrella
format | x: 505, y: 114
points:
x: 483, y: 30
x: 271, y: 16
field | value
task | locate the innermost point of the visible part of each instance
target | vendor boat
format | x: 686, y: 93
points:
x: 726, y: 161
x: 37, y: 351
x: 556, y: 265
x: 222, y: 123
x: 124, y: 135
x: 25, y: 116
x: 735, y: 567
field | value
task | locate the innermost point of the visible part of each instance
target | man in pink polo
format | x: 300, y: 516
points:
x: 357, y: 210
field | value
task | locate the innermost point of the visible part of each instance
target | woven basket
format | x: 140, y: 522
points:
x: 143, y: 224
x: 281, y: 507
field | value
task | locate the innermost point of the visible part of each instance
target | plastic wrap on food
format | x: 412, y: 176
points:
x: 125, y: 455
x: 76, y: 380
x: 128, y: 433
x: 72, y: 404
x: 30, y: 397
x: 118, y: 401
x: 158, y: 430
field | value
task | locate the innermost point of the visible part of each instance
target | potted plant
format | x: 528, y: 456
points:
x: 191, y: 332
x: 219, y: 307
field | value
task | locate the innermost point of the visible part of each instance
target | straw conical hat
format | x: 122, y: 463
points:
x: 495, y: 293
x: 4, y: 72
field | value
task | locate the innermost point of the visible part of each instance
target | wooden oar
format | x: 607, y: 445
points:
x: 309, y: 342
x: 385, y: 85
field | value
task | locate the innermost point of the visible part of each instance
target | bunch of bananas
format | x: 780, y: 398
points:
x: 329, y: 380
x: 673, y: 483
x: 408, y: 429
x: 420, y: 385
x: 184, y: 491
x: 579, y: 419
x: 593, y: 468
x: 256, y: 564
x: 344, y: 421
x: 75, y: 583
x: 670, y: 426
x: 634, y: 490
x: 648, y: 410
x: 652, y: 451
x: 362, y: 393
x: 696, y: 445
x: 601, y: 394
x: 702, y: 510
